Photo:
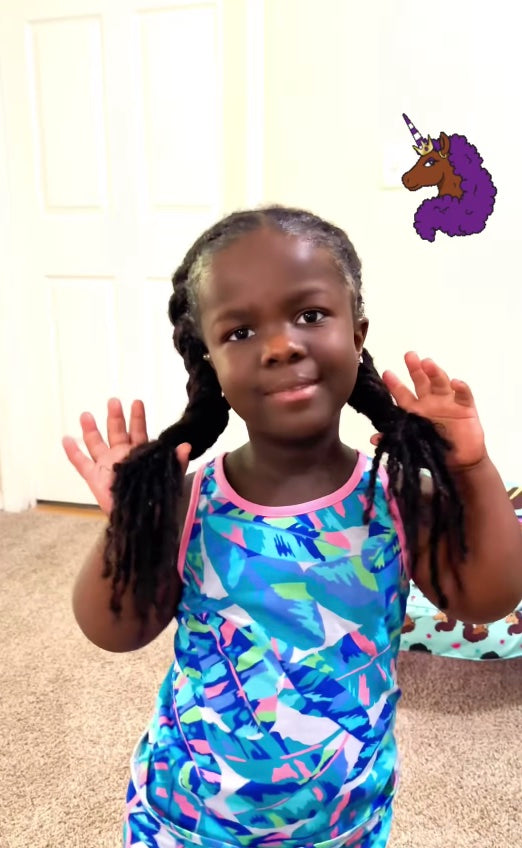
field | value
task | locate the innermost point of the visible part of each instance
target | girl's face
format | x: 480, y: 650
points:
x: 276, y: 314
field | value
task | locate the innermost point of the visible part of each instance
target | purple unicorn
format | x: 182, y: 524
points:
x: 466, y: 192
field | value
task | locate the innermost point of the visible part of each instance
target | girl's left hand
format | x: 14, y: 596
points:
x: 449, y: 404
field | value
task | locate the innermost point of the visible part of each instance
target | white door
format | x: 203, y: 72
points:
x: 124, y: 136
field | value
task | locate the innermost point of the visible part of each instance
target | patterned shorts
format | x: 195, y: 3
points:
x: 142, y: 831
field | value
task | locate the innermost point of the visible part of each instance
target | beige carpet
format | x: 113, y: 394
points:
x: 71, y: 713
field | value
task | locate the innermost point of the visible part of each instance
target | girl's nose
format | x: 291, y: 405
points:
x: 282, y: 348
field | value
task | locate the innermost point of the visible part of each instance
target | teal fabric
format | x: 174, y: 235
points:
x: 427, y: 629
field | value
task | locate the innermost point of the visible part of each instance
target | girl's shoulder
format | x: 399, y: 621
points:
x: 184, y: 502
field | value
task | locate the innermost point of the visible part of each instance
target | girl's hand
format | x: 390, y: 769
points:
x: 449, y: 404
x: 98, y: 472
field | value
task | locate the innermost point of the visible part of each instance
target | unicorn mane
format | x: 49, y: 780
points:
x: 468, y: 214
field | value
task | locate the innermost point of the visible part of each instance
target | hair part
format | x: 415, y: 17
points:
x: 143, y: 535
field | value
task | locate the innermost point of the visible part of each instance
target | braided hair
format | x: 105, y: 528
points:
x: 143, y: 533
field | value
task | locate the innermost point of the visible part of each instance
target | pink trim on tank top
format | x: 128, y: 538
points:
x: 189, y: 519
x: 397, y: 520
x: 292, y: 509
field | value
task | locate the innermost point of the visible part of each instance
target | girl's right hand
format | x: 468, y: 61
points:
x: 98, y: 472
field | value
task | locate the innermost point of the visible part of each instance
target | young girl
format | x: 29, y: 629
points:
x: 286, y: 562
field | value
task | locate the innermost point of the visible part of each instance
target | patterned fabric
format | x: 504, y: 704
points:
x: 275, y: 723
x: 428, y: 629
x: 142, y: 830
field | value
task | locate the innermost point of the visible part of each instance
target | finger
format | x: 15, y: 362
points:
x: 420, y: 379
x: 400, y: 393
x: 183, y: 453
x: 138, y: 424
x: 91, y: 436
x: 463, y: 393
x: 439, y: 380
x: 76, y: 457
x: 116, y: 426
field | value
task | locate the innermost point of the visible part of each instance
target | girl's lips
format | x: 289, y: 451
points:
x: 303, y: 392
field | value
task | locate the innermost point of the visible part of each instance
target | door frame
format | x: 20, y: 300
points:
x: 17, y: 417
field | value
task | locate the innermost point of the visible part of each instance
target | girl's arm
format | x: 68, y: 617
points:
x: 91, y: 607
x: 491, y: 574
x: 92, y: 592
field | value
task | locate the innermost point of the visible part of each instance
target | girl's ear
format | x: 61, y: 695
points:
x: 359, y: 335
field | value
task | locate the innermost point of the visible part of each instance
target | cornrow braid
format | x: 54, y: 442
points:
x: 143, y: 533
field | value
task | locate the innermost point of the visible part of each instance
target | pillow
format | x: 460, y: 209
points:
x: 428, y: 629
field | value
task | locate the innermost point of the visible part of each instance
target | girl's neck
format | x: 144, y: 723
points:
x: 275, y: 474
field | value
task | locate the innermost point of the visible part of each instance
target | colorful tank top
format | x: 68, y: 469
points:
x: 275, y: 723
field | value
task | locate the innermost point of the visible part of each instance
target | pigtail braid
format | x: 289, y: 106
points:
x: 143, y: 535
x: 412, y: 444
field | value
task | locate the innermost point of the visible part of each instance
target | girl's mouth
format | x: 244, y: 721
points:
x: 295, y: 394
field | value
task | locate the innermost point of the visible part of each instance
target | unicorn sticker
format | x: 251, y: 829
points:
x: 466, y: 192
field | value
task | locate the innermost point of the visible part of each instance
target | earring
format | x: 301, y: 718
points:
x: 360, y: 359
x: 206, y: 357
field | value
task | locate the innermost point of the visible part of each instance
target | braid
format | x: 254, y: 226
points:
x: 143, y: 534
x: 412, y: 444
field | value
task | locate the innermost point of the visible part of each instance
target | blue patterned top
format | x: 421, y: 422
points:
x: 275, y: 723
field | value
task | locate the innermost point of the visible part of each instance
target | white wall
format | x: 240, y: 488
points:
x: 339, y: 75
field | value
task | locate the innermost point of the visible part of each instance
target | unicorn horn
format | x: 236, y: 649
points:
x: 422, y: 145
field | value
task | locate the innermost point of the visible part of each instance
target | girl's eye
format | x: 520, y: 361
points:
x: 241, y: 332
x: 238, y: 331
x: 311, y: 312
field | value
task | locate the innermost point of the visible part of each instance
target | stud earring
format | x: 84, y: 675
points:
x: 360, y: 360
x: 206, y: 357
